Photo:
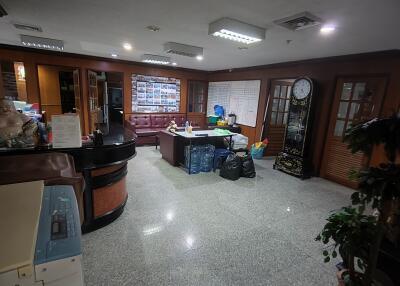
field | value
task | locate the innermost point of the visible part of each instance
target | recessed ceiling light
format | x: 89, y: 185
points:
x: 114, y: 55
x: 153, y: 28
x: 127, y: 46
x: 199, y: 58
x: 174, y: 64
x: 327, y: 29
x: 235, y: 30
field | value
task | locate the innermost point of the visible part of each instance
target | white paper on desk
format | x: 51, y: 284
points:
x: 66, y: 130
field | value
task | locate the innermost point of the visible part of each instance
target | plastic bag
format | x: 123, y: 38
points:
x: 257, y: 150
x: 248, y: 169
x: 232, y: 168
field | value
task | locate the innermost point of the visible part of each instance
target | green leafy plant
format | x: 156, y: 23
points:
x: 350, y: 233
x: 356, y: 235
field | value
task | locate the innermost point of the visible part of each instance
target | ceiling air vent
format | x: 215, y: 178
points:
x: 42, y: 43
x: 299, y: 21
x: 27, y: 27
x: 3, y: 11
x: 182, y: 49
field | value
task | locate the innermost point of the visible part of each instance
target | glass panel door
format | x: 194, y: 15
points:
x: 196, y: 96
x: 355, y: 105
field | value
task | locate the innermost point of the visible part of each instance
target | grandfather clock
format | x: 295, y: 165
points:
x: 295, y: 157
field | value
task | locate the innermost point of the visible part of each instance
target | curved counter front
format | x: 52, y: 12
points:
x: 104, y: 169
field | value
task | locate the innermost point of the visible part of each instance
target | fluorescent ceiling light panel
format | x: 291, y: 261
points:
x: 182, y: 49
x: 327, y: 29
x: 154, y: 59
x: 235, y: 30
x: 42, y: 43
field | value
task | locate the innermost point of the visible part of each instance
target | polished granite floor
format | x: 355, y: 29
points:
x: 204, y: 230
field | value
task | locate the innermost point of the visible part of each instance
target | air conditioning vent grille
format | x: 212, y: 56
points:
x: 181, y: 53
x: 299, y: 21
x: 28, y: 27
x: 182, y: 49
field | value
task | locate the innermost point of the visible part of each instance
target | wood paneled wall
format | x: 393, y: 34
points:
x: 324, y: 72
x: 32, y: 58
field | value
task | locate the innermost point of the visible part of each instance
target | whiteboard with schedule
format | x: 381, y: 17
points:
x: 238, y: 97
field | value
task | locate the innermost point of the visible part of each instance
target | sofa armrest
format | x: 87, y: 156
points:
x: 130, y: 125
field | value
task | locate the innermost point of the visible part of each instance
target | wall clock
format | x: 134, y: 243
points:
x: 302, y: 88
x: 295, y: 158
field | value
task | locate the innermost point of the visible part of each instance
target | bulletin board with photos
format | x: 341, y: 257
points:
x: 155, y: 94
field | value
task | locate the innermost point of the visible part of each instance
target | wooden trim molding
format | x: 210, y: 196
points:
x: 336, y: 59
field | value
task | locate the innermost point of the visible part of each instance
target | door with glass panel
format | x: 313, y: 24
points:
x: 276, y: 115
x: 77, y: 95
x: 93, y: 101
x: 356, y: 100
x: 197, y: 102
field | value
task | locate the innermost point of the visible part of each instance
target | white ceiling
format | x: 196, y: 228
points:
x: 98, y: 27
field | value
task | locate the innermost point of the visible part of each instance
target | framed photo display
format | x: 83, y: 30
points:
x: 155, y: 94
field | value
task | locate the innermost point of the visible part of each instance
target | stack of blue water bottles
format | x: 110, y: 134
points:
x: 201, y: 158
x: 207, y: 158
x: 193, y: 155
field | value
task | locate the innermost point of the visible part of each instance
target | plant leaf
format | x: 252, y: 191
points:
x: 334, y: 254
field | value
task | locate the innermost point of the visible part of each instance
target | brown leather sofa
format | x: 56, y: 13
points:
x: 147, y: 126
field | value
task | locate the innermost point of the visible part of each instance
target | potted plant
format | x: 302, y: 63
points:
x: 354, y: 231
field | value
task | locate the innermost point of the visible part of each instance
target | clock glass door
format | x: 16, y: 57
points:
x: 277, y: 115
x: 356, y: 100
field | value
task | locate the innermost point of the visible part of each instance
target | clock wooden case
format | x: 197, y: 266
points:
x: 295, y: 157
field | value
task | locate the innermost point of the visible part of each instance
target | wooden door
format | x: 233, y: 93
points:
x: 77, y: 95
x: 356, y: 99
x: 276, y: 115
x: 197, y: 103
x: 93, y: 100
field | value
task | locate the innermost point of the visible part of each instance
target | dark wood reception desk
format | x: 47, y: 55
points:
x: 104, y: 169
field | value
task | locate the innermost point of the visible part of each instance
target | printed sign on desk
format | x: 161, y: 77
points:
x: 66, y: 131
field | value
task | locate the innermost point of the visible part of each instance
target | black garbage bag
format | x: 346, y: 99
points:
x: 231, y: 168
x: 248, y: 169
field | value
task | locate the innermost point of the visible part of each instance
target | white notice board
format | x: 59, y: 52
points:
x: 66, y: 130
x: 238, y: 97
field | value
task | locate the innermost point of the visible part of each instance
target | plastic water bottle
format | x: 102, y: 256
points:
x: 186, y: 126
x: 207, y: 158
x: 195, y: 160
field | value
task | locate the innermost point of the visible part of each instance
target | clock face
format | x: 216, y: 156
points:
x: 301, y: 88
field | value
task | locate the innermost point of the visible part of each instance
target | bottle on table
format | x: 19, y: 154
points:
x: 186, y: 126
x: 190, y: 128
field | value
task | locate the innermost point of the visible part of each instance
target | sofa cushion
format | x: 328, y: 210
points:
x: 140, y: 120
x: 160, y: 121
x: 155, y: 121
